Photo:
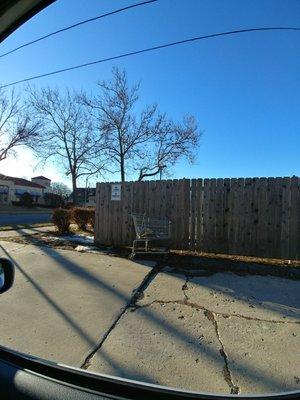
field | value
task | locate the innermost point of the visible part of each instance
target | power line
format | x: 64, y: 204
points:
x: 162, y: 46
x: 75, y: 26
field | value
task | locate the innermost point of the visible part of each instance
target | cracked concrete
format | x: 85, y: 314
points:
x: 136, y: 294
x: 253, y: 296
x: 262, y: 357
x: 160, y: 345
x: 196, y: 330
x: 226, y: 371
x: 63, y: 302
x: 186, y: 302
x: 214, y: 325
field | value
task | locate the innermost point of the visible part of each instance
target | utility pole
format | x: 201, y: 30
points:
x: 85, y: 194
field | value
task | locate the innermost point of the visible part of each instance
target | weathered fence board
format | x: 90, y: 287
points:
x: 199, y: 214
x: 253, y: 216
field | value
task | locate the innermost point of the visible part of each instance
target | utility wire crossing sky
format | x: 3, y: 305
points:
x: 243, y: 88
x: 86, y: 21
x: 159, y: 47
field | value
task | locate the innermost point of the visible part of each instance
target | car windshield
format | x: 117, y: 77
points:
x: 150, y: 191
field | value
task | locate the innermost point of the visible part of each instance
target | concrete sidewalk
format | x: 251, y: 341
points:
x: 63, y: 302
x: 27, y: 231
x: 196, y: 330
x: 221, y: 333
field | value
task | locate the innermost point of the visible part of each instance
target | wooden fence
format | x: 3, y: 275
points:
x: 253, y: 216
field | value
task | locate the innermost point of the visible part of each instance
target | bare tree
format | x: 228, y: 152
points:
x: 68, y: 136
x: 16, y: 127
x: 61, y: 189
x: 145, y: 141
x: 171, y: 142
x: 125, y: 132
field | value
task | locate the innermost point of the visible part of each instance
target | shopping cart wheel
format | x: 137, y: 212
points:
x: 131, y: 256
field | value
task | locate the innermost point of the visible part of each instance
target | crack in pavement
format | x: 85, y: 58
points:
x: 136, y: 295
x: 226, y: 371
x: 186, y: 302
x: 209, y: 314
x: 211, y: 317
x: 185, y: 288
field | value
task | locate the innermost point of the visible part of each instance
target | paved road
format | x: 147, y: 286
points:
x: 19, y: 219
x: 221, y: 332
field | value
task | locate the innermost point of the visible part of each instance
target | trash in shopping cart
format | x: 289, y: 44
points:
x: 152, y: 235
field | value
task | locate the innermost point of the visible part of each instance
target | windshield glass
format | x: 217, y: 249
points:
x: 150, y: 191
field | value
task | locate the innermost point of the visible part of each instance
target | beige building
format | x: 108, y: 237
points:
x: 12, y: 188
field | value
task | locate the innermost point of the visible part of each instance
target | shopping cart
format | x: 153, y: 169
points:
x: 152, y: 235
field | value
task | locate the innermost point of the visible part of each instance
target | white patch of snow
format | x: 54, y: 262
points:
x: 50, y: 237
x: 78, y: 239
x: 88, y: 249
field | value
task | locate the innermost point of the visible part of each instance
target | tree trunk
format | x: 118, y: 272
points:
x: 122, y: 165
x: 74, y: 187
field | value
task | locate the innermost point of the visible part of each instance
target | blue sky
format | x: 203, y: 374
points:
x: 244, y: 90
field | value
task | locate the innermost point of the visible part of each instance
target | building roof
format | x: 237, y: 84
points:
x: 21, y: 181
x: 41, y: 177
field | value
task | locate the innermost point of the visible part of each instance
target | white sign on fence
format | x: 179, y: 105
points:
x: 116, y: 192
